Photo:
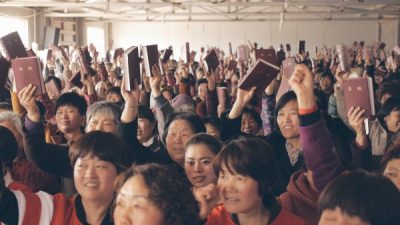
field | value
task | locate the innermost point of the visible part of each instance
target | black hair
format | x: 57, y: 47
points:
x: 195, y: 122
x: 213, y: 120
x: 392, y: 153
x: 8, y: 148
x: 371, y: 197
x: 213, y: 143
x: 201, y: 81
x: 390, y: 105
x: 56, y: 80
x: 72, y: 99
x: 146, y: 113
x: 104, y: 145
x: 115, y: 90
x: 256, y: 116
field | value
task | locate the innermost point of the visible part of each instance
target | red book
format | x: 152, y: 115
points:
x: 166, y: 55
x: 302, y: 47
x: 131, y: 68
x: 103, y: 72
x: 358, y: 92
x: 76, y: 80
x: 151, y: 58
x: 185, y: 53
x: 222, y: 94
x: 232, y: 65
x: 211, y: 61
x: 288, y: 66
x: 268, y: 55
x: 27, y: 71
x: 260, y: 75
x: 12, y: 46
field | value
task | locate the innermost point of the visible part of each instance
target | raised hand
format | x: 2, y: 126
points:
x: 155, y: 81
x: 242, y: 98
x: 207, y: 197
x: 303, y: 85
x: 28, y: 101
x: 131, y: 98
x: 356, y: 118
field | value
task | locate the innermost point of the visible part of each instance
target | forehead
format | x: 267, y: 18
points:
x: 198, y: 150
x: 134, y: 186
x: 67, y: 107
x: 180, y: 124
x: 292, y: 104
x: 102, y: 115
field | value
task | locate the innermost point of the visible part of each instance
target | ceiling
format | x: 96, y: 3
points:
x: 214, y: 10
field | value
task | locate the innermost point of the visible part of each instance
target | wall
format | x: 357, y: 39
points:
x: 218, y: 34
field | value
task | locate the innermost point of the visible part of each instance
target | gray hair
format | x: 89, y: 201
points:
x: 110, y: 109
x: 14, y: 119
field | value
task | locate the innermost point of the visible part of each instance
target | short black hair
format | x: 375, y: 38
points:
x: 56, y: 80
x: 104, y: 145
x: 195, y: 122
x: 213, y: 120
x: 371, y: 197
x: 146, y: 113
x: 213, y: 143
x: 390, y: 105
x: 8, y: 148
x: 72, y: 99
x: 201, y: 81
x: 256, y: 116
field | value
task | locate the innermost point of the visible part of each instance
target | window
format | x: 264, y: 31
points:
x: 13, y: 24
x: 95, y: 36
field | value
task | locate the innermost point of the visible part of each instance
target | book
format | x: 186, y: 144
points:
x: 302, y: 46
x: 30, y: 52
x: 185, y: 52
x: 151, y: 58
x: 358, y: 92
x: 76, y: 80
x: 243, y: 52
x: 27, y: 71
x: 232, y: 65
x: 260, y: 75
x: 288, y: 66
x: 86, y: 69
x: 103, y: 72
x: 222, y: 94
x: 4, y: 67
x: 211, y: 61
x: 166, y: 55
x: 131, y: 68
x: 86, y: 55
x: 280, y: 56
x: 12, y: 46
x: 342, y: 55
x: 288, y: 48
x: 51, y: 36
x: 268, y: 55
x: 230, y: 48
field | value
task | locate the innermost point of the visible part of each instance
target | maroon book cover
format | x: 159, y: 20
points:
x: 131, y: 68
x: 30, y: 52
x: 166, y: 55
x: 27, y: 71
x: 280, y: 56
x: 288, y: 66
x: 76, y: 80
x: 232, y: 65
x: 222, y: 94
x: 260, y: 75
x: 358, y: 92
x: 268, y: 55
x: 211, y: 61
x: 103, y: 72
x: 12, y: 46
x: 151, y: 58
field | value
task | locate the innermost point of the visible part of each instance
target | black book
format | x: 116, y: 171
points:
x: 131, y: 68
x: 211, y: 61
x: 12, y: 46
x: 151, y: 58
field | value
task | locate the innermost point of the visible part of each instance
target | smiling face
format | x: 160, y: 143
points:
x: 103, y: 122
x: 249, y: 124
x: 94, y: 179
x: 288, y: 120
x: 133, y: 205
x: 144, y: 130
x: 179, y: 132
x: 199, y: 165
x: 239, y: 193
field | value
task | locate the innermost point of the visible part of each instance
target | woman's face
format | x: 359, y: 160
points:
x: 199, y: 165
x: 337, y: 217
x: 239, y: 193
x: 393, y: 121
x: 144, y: 130
x: 202, y: 91
x: 94, y: 178
x: 103, y: 122
x: 179, y: 132
x: 288, y: 120
x: 249, y: 124
x: 133, y: 205
x: 392, y: 171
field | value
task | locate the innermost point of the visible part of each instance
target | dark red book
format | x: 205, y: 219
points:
x: 185, y: 52
x: 86, y: 55
x: 232, y: 65
x: 12, y: 46
x: 288, y: 66
x: 151, y: 58
x: 30, y: 52
x: 103, y: 72
x: 4, y: 67
x: 27, y: 71
x: 222, y: 94
x: 268, y: 55
x: 280, y: 56
x: 358, y: 92
x: 76, y: 80
x: 260, y: 75
x: 51, y: 36
x: 302, y: 47
x: 166, y: 55
x: 87, y: 70
x: 288, y: 48
x: 211, y: 61
x: 131, y: 68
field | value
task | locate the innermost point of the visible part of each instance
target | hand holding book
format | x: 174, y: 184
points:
x: 27, y: 99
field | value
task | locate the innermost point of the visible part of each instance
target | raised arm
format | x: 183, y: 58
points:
x: 317, y: 144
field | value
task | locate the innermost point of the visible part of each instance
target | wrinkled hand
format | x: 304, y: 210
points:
x: 207, y: 197
x: 27, y: 99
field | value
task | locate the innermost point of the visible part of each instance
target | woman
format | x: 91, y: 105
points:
x: 200, y: 152
x: 247, y: 171
x: 96, y: 166
x: 353, y: 199
x: 145, y: 195
x: 391, y: 164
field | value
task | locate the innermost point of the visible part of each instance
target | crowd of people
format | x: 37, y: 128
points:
x: 173, y: 152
